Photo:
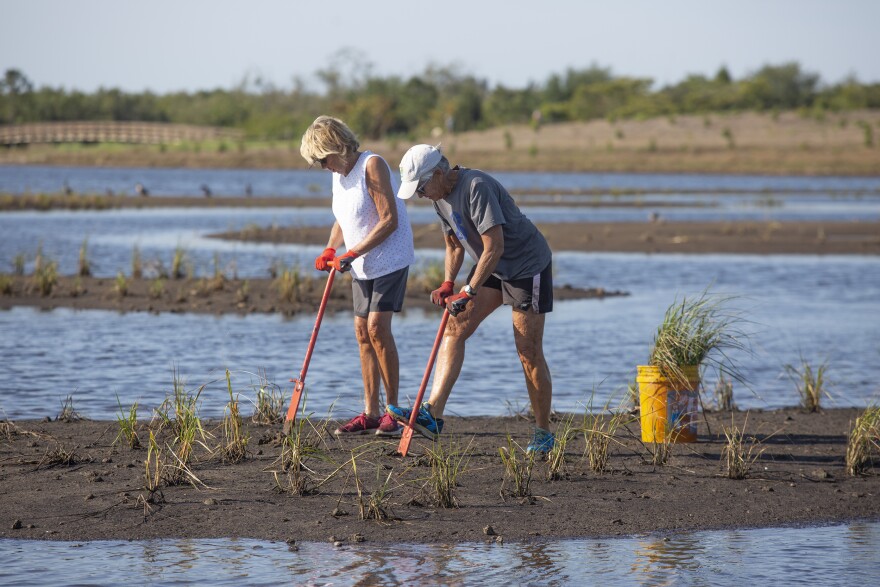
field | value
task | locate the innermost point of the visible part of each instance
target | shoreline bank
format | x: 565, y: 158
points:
x: 799, y: 478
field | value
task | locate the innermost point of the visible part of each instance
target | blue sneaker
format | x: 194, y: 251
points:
x: 426, y: 424
x: 542, y: 442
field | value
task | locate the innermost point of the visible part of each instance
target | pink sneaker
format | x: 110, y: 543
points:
x: 361, y: 424
x: 388, y: 426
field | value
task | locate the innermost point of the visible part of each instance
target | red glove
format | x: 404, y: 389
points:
x: 456, y: 304
x: 322, y: 261
x: 343, y: 263
x: 439, y: 295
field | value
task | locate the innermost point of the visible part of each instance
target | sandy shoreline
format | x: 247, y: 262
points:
x: 800, y: 478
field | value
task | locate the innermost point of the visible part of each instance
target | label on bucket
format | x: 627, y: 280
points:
x: 681, y: 410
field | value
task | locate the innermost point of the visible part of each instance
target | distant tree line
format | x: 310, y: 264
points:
x: 438, y: 97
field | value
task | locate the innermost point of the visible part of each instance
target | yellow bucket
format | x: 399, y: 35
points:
x: 664, y: 408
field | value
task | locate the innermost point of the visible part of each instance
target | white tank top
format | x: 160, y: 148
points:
x: 356, y: 214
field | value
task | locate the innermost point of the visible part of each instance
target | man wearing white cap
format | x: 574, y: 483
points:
x: 513, y: 267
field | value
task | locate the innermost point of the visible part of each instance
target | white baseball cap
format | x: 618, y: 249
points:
x: 416, y: 163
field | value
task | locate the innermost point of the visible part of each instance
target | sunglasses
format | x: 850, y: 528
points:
x: 322, y: 162
x: 420, y: 189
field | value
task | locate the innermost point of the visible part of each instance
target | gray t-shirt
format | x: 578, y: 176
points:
x: 476, y: 204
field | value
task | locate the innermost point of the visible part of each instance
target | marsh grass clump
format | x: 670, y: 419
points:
x: 288, y: 285
x: 697, y: 331
x: 8, y: 429
x: 219, y: 278
x: 153, y: 477
x: 518, y: 465
x: 739, y: 454
x: 723, y: 395
x: 662, y: 450
x: 235, y: 438
x: 137, y: 264
x: 45, y: 276
x: 374, y: 506
x: 599, y: 431
x: 5, y: 285
x: 84, y: 266
x: 269, y: 403
x: 121, y: 285
x: 242, y: 294
x: 298, y: 447
x: 427, y: 278
x: 157, y: 288
x: 810, y: 383
x: 863, y: 442
x: 448, y: 462
x: 18, y: 263
x: 566, y: 431
x: 186, y: 427
x: 59, y: 456
x: 68, y: 413
x: 127, y: 425
x: 178, y: 262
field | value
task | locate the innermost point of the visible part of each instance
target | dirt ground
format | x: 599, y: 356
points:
x: 216, y: 296
x: 746, y: 237
x: 69, y: 481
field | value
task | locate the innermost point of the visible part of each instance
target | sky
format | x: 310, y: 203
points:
x: 189, y: 45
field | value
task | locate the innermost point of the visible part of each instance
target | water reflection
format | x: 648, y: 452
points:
x: 661, y: 561
x: 833, y: 555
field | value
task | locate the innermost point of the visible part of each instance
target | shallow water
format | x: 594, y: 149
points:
x: 18, y: 179
x: 113, y: 235
x: 847, y: 554
x: 818, y: 308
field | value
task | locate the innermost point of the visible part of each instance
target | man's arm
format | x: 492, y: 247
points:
x: 493, y: 249
x: 454, y: 257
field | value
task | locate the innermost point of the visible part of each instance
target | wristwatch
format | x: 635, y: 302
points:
x: 470, y: 291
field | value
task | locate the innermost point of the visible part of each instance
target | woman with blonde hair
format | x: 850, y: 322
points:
x: 374, y: 227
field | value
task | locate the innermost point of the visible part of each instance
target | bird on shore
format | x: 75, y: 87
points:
x: 206, y: 190
x: 141, y: 190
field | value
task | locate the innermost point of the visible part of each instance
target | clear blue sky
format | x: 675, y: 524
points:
x: 168, y: 45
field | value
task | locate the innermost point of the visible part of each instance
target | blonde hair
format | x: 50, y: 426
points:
x: 327, y: 136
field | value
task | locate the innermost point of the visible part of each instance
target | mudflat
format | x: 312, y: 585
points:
x: 68, y: 480
x: 659, y: 236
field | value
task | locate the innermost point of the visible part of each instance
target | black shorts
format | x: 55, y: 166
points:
x: 383, y: 294
x: 533, y: 294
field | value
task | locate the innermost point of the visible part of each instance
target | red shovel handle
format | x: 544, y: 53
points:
x: 296, y: 396
x: 406, y: 437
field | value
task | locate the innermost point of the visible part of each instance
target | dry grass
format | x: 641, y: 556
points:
x: 60, y: 456
x: 599, y: 432
x: 68, y: 413
x: 374, y: 506
x: 739, y: 454
x: 863, y: 442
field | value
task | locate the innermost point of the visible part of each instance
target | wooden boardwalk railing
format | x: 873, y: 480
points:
x: 152, y: 133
